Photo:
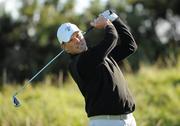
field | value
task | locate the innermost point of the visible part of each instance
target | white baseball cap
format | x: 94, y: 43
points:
x: 65, y: 32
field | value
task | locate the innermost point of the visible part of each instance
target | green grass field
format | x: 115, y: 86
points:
x: 157, y: 94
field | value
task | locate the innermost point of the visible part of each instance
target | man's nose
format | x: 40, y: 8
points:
x: 76, y: 40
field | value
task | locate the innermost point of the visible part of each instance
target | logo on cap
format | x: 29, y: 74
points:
x: 68, y: 28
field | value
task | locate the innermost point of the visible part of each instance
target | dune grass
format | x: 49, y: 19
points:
x: 157, y: 94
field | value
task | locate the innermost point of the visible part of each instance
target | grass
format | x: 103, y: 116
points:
x: 43, y: 105
x: 157, y: 94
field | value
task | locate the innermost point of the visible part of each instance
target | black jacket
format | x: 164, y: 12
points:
x: 98, y: 76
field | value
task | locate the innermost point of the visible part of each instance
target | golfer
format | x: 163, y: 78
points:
x: 108, y: 101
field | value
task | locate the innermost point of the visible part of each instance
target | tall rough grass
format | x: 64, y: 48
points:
x: 157, y: 94
x: 43, y: 105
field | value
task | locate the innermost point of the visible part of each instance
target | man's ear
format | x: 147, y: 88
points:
x: 62, y: 46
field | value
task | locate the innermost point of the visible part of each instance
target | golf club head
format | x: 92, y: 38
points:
x: 16, y: 102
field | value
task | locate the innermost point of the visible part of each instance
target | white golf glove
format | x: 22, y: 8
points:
x: 109, y: 15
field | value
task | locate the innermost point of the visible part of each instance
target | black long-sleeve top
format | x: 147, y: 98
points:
x: 98, y: 76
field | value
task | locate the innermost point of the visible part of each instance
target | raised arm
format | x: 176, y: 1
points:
x: 126, y: 44
x: 104, y: 48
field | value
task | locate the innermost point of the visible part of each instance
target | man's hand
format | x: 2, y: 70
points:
x: 109, y: 14
x: 100, y: 22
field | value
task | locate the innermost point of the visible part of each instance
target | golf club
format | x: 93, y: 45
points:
x: 15, y: 100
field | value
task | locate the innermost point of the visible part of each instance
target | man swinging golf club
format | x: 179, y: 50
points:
x: 107, y: 97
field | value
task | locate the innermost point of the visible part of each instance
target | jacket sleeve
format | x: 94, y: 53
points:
x: 103, y: 49
x: 126, y: 44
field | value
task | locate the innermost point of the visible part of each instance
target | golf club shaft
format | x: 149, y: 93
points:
x: 39, y: 72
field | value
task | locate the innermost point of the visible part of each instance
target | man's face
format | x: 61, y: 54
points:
x: 77, y: 44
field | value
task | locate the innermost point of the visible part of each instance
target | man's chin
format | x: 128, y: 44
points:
x: 83, y: 50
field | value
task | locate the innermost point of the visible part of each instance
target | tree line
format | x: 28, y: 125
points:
x: 29, y: 42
